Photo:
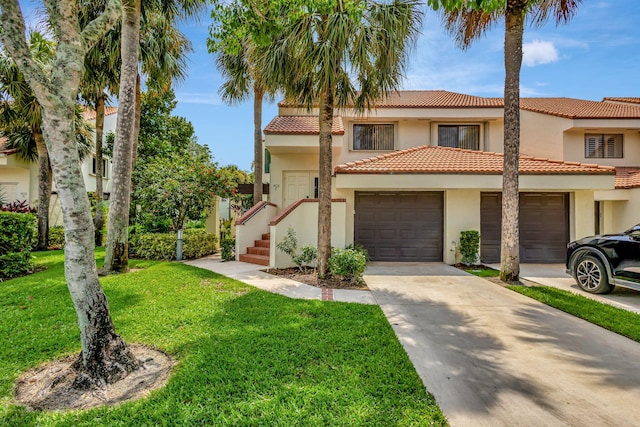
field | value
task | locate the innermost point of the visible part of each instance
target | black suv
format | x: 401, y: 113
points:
x: 599, y: 263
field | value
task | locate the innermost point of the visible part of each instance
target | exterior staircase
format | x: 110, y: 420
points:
x: 258, y: 254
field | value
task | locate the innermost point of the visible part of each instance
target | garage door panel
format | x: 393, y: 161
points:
x: 544, y: 227
x: 408, y: 226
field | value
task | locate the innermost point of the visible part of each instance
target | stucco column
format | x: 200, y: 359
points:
x: 461, y: 213
x: 582, y: 215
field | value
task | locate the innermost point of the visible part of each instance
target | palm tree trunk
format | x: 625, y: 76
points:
x: 44, y: 191
x: 136, y: 125
x: 510, y: 246
x: 99, y: 219
x: 324, y: 183
x: 258, y: 94
x: 117, y: 251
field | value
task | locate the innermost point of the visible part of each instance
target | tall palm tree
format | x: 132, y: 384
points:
x: 342, y: 54
x: 469, y: 20
x: 128, y: 123
x: 245, y: 77
x: 101, y: 76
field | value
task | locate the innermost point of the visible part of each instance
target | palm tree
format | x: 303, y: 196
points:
x: 128, y: 123
x: 101, y: 76
x: 340, y: 55
x: 468, y: 21
x: 244, y: 77
x: 239, y: 60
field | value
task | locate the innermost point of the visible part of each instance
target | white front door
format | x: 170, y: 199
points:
x: 299, y: 185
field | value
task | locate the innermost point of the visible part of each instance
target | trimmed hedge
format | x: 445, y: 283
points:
x: 18, y: 236
x: 56, y: 237
x: 162, y: 246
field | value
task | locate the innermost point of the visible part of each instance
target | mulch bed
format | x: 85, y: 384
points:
x: 311, y: 278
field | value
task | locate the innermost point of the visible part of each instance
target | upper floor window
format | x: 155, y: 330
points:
x: 105, y: 163
x: 603, y: 146
x: 373, y: 137
x: 459, y: 136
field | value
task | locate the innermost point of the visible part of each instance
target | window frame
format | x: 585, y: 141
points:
x: 105, y: 167
x: 458, y: 126
x: 393, y: 133
x: 602, y: 147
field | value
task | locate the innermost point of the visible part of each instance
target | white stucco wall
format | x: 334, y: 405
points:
x: 541, y: 135
x: 281, y: 163
x: 253, y: 229
x: 574, y: 146
x: 461, y: 213
x: 304, y: 221
x: 626, y: 214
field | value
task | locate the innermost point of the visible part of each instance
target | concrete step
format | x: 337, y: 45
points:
x: 255, y: 259
x: 262, y: 243
x: 258, y: 251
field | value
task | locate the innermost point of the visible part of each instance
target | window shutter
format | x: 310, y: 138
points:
x: 374, y: 137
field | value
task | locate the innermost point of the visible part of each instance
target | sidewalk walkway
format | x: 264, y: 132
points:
x: 254, y: 275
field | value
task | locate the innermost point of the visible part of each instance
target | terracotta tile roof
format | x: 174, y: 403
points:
x: 580, y: 109
x: 90, y: 114
x: 3, y: 147
x: 430, y: 159
x: 300, y: 125
x: 428, y: 99
x: 628, y: 177
x: 622, y: 99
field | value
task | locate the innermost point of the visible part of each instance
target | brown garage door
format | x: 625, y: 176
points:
x: 544, y: 227
x: 400, y: 226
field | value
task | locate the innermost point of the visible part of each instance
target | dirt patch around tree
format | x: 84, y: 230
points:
x: 310, y: 277
x: 48, y: 387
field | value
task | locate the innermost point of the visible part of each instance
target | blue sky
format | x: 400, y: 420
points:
x: 596, y: 55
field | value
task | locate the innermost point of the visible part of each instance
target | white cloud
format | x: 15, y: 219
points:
x: 198, y: 98
x: 539, y: 52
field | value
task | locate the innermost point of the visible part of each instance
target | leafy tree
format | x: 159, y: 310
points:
x: 180, y: 187
x: 340, y: 54
x: 469, y: 20
x: 21, y: 123
x: 105, y: 358
x: 162, y: 61
x: 241, y: 61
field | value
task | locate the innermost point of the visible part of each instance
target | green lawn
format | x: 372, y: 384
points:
x: 615, y: 319
x: 246, y: 357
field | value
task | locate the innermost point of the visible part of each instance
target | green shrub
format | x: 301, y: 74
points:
x: 289, y: 243
x: 56, y: 237
x: 162, y: 246
x: 18, y: 231
x: 18, y: 236
x: 348, y: 264
x: 227, y: 249
x: 469, y: 246
x: 14, y: 264
x: 308, y: 257
x: 358, y: 247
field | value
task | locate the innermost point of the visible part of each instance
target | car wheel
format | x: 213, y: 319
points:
x: 591, y: 275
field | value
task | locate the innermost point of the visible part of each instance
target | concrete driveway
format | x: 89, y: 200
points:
x: 554, y: 275
x: 492, y: 357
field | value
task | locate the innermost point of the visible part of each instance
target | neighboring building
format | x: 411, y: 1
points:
x: 426, y: 165
x: 19, y: 180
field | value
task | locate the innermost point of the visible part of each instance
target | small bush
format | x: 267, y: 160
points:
x: 289, y: 244
x: 308, y: 257
x: 18, y: 232
x: 56, y: 237
x: 358, y: 247
x: 19, y: 206
x: 18, y: 236
x: 15, y: 264
x: 227, y: 249
x: 162, y: 246
x: 348, y: 264
x: 469, y: 246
